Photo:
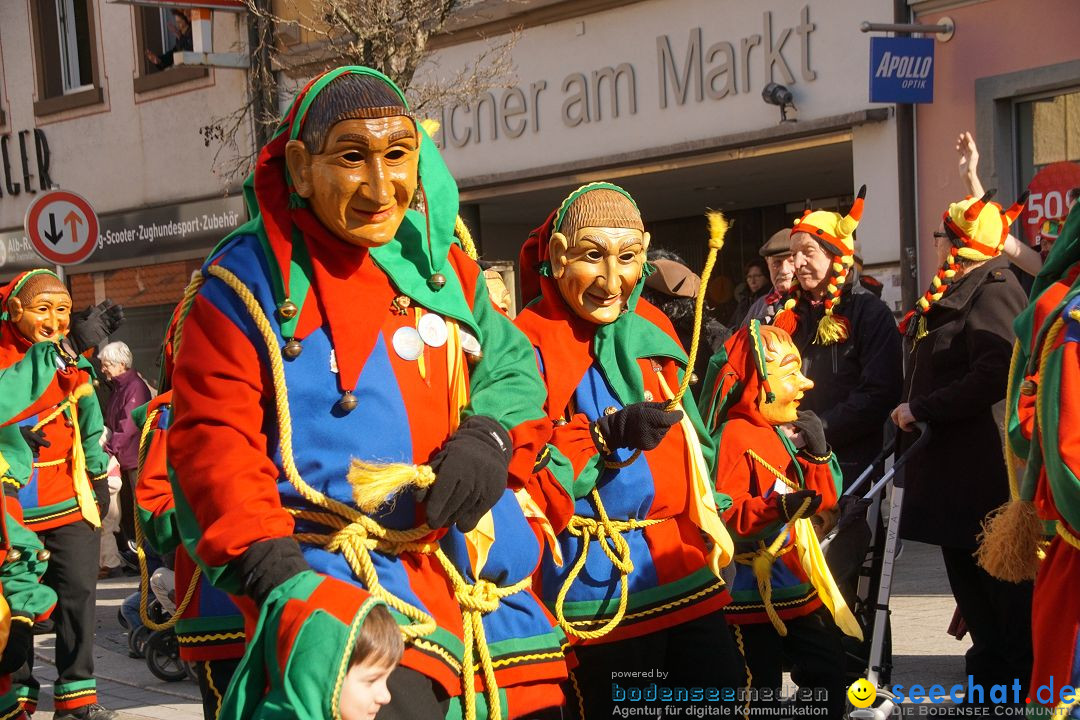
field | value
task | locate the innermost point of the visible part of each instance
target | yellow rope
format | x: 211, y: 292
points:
x: 1010, y: 455
x: 602, y: 530
x: 749, y: 675
x: 1067, y: 536
x: 461, y: 230
x: 213, y: 689
x: 761, y: 562
x: 144, y: 572
x: 718, y: 227
x: 357, y: 534
x: 776, y: 473
x: 49, y: 463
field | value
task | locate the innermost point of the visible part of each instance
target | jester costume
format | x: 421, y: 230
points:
x: 635, y: 575
x: 209, y: 626
x: 305, y: 639
x: 781, y: 580
x: 299, y: 359
x: 55, y: 492
x: 1043, y: 433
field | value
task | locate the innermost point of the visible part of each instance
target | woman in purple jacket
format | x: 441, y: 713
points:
x: 129, y: 391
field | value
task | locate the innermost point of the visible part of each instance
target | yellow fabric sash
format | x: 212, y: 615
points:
x: 702, y: 504
x: 84, y: 493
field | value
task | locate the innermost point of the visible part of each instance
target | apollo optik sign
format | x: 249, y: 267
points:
x: 901, y: 70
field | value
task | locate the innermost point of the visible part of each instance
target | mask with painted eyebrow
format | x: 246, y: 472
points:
x: 597, y: 269
x: 783, y: 365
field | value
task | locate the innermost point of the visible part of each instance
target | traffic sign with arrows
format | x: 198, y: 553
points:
x: 62, y: 227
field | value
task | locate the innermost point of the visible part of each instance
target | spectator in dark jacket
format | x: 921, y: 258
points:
x: 847, y: 338
x: 960, y: 337
x: 129, y: 391
x: 777, y: 255
x: 181, y: 28
x: 756, y: 286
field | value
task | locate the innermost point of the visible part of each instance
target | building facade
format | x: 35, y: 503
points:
x: 84, y: 108
x: 665, y: 98
x: 1011, y: 76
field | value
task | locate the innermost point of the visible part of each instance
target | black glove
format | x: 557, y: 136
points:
x: 267, y: 564
x: 790, y: 503
x: 813, y: 433
x: 34, y: 438
x: 20, y: 646
x: 852, y: 511
x: 95, y: 324
x: 640, y: 426
x: 104, y: 497
x: 470, y: 472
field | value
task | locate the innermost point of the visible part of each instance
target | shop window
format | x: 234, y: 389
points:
x: 1048, y: 162
x: 66, y: 55
x: 161, y: 31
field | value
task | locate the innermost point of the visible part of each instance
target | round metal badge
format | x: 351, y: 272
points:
x: 432, y: 329
x: 469, y: 343
x: 408, y: 344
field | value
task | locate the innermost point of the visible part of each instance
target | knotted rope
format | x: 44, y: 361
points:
x: 356, y: 534
x: 604, y: 530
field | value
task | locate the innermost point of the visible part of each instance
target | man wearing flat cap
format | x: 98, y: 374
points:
x: 777, y: 254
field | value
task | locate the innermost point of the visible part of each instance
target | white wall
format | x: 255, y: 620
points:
x: 131, y: 151
x: 828, y: 75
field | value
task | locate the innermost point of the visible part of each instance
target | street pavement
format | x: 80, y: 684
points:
x: 922, y: 650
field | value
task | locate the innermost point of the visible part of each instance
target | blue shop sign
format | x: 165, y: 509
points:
x: 901, y: 70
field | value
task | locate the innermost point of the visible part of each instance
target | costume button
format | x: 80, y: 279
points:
x: 648, y: 396
x: 1028, y: 387
x: 610, y: 410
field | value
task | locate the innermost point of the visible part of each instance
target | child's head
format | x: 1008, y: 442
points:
x: 377, y: 652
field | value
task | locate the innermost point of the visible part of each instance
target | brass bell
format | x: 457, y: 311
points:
x: 474, y: 358
x: 348, y: 402
x: 610, y: 410
x: 43, y: 555
x: 14, y: 555
x: 288, y: 309
x: 292, y: 349
x: 1028, y: 388
x: 694, y: 379
x: 436, y: 282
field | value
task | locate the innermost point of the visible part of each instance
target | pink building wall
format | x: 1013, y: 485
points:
x: 992, y: 37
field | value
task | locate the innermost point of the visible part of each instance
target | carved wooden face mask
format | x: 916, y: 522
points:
x: 363, y: 181
x: 783, y: 365
x: 43, y: 317
x: 596, y: 270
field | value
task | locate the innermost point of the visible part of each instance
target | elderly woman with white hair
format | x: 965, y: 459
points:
x: 129, y: 391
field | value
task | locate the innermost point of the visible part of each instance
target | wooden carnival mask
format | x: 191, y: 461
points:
x: 41, y: 311
x: 783, y: 367
x: 598, y: 254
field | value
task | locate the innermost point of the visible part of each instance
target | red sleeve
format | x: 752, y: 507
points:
x: 820, y: 478
x: 574, y: 440
x: 216, y: 444
x: 153, y: 491
x: 750, y: 514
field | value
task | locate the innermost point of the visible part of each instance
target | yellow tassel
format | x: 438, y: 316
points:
x: 920, y: 329
x: 718, y: 227
x: 1009, y: 542
x: 374, y: 484
x: 829, y: 331
x: 461, y: 231
x: 838, y: 267
x: 790, y: 304
x: 430, y: 125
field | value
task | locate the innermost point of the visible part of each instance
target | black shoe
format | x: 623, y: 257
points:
x: 90, y: 712
x: 130, y: 559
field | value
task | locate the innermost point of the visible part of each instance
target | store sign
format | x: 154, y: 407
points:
x: 901, y: 70
x: 24, y: 163
x: 135, y: 235
x: 1049, y: 197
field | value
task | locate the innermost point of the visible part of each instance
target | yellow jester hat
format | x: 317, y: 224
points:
x: 977, y: 229
x: 835, y: 232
